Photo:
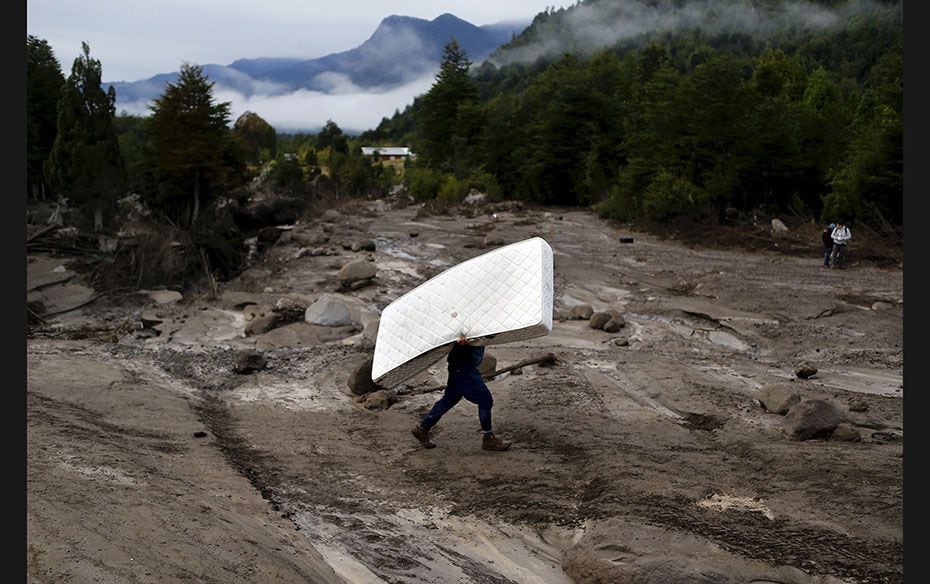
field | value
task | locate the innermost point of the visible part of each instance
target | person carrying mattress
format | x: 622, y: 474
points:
x: 464, y: 381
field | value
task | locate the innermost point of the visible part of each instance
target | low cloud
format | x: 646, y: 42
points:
x: 593, y: 26
x: 353, y: 109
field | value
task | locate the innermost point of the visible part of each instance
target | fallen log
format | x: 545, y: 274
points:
x: 547, y: 359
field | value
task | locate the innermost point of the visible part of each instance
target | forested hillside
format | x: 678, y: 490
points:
x: 655, y: 111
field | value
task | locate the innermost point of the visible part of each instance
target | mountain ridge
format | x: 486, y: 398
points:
x: 400, y: 50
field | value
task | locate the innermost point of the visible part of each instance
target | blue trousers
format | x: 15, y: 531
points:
x: 827, y: 252
x: 465, y: 383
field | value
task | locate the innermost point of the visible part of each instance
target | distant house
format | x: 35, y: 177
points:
x: 394, y: 156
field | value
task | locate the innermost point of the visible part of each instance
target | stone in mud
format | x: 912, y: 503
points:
x: 379, y: 400
x: 778, y: 398
x: 328, y: 311
x: 813, y: 418
x: 249, y: 361
x: 858, y: 405
x: 598, y: 320
x: 581, y: 312
x: 360, y: 381
x: 805, y: 369
x: 614, y: 325
x: 492, y: 240
x: 846, y: 432
x: 357, y: 270
x: 488, y: 364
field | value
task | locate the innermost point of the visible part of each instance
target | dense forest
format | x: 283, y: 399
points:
x: 797, y: 109
x: 683, y: 123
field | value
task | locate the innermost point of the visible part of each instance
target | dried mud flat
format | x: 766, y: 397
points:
x: 640, y: 456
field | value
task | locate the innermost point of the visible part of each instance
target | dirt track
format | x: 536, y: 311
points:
x: 648, y: 461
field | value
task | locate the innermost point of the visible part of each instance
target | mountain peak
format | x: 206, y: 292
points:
x: 447, y: 17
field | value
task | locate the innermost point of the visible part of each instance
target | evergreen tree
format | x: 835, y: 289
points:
x: 441, y: 115
x: 85, y: 163
x: 192, y: 152
x: 43, y: 88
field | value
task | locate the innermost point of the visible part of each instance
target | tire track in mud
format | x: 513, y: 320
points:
x: 778, y: 542
x: 380, y: 545
x: 258, y: 468
x: 76, y: 421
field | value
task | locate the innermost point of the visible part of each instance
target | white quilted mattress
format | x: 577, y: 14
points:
x: 501, y: 296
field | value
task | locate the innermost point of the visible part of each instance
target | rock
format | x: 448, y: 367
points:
x: 778, y: 398
x: 310, y: 240
x: 251, y: 311
x: 492, y: 240
x: 328, y: 311
x: 805, y: 369
x: 260, y: 324
x: 300, y: 253
x: 379, y: 400
x: 614, y: 325
x: 813, y: 418
x: 475, y: 198
x: 359, y: 284
x: 488, y: 364
x: 882, y: 305
x: 414, y: 234
x: 581, y: 312
x: 330, y: 215
x: 885, y: 436
x: 858, y: 405
x: 287, y: 306
x: 626, y: 239
x: 370, y: 333
x: 248, y: 361
x: 357, y: 270
x: 360, y: 381
x: 366, y: 245
x: 517, y: 371
x: 778, y: 228
x: 598, y: 320
x: 846, y: 432
x: 165, y: 296
x: 200, y: 434
x: 622, y: 342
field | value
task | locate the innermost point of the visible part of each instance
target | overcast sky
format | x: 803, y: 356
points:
x: 136, y: 39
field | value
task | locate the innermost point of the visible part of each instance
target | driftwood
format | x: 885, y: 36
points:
x: 40, y: 233
x: 547, y: 359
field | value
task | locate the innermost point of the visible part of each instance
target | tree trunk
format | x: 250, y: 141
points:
x: 196, y: 198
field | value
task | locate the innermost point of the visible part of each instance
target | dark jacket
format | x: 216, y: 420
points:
x: 826, y: 238
x: 465, y: 357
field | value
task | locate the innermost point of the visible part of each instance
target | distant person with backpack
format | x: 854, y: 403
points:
x: 841, y: 236
x: 826, y: 238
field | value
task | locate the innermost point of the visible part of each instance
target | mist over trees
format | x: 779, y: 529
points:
x: 799, y: 112
x: 797, y: 116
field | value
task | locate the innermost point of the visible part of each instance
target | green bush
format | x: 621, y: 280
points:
x: 423, y: 183
x: 669, y: 196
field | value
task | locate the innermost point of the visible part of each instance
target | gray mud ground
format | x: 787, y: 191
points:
x: 646, y: 460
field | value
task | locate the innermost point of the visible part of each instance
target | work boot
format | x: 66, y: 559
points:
x: 492, y: 442
x: 423, y: 436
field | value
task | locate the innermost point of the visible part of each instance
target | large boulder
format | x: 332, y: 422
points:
x: 355, y: 271
x: 598, y: 320
x: 614, y: 325
x: 329, y: 311
x: 488, y: 364
x: 360, y: 381
x: 813, y: 418
x: 778, y: 398
x: 581, y: 312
